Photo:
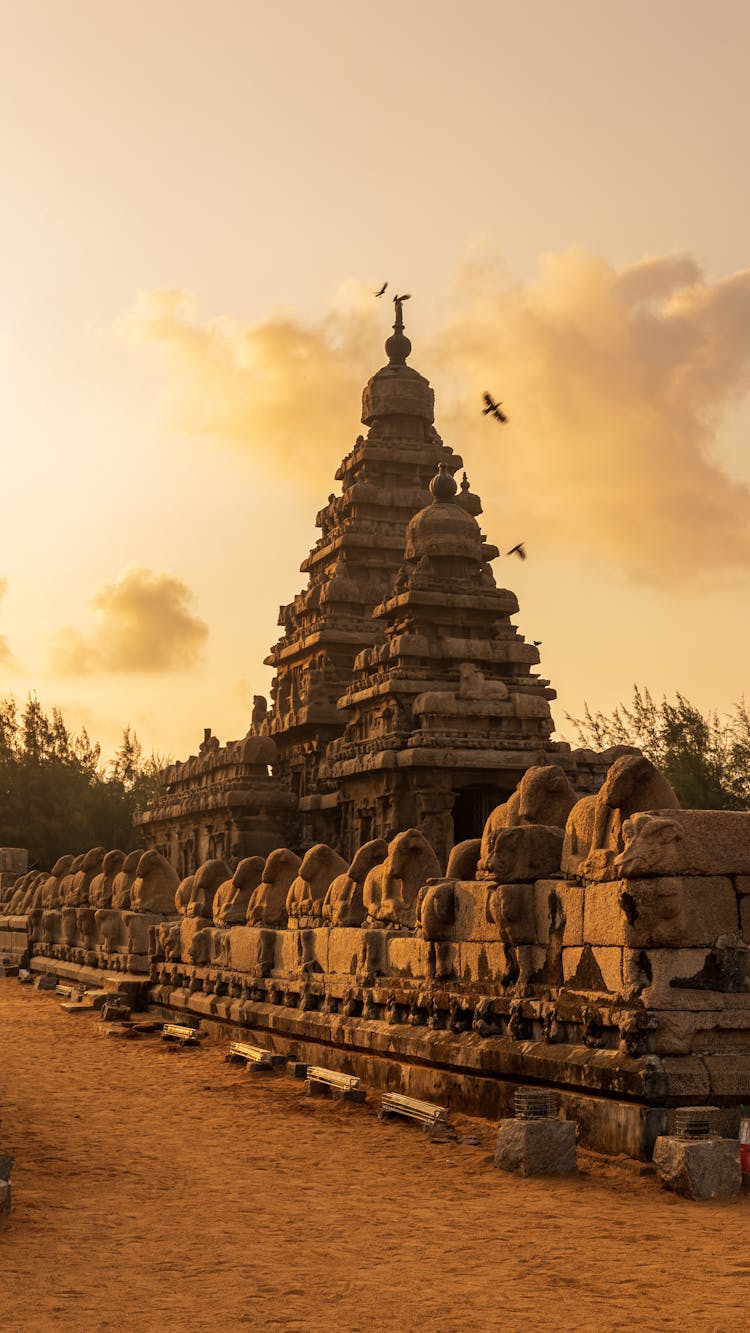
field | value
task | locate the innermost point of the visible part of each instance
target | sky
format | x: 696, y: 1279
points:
x: 200, y: 203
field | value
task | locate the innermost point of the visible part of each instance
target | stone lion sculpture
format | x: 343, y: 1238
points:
x: 320, y: 866
x: 343, y: 904
x: 267, y: 905
x: 233, y: 896
x: 208, y: 878
x: 122, y: 885
x: 391, y: 889
x: 154, y: 885
x: 543, y: 796
x: 594, y: 829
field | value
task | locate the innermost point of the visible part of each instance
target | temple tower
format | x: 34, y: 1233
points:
x: 444, y: 714
x: 384, y: 482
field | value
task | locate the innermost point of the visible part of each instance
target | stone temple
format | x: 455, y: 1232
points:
x: 397, y: 873
x: 403, y: 697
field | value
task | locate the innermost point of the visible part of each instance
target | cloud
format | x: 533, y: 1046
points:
x: 616, y: 381
x: 284, y: 387
x: 144, y: 623
x: 6, y: 656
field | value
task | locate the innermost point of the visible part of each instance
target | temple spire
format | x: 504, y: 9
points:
x: 398, y: 346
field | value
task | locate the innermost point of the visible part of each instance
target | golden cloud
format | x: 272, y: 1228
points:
x: 283, y: 387
x: 615, y: 380
x: 144, y: 623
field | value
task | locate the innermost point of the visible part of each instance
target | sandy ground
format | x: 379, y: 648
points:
x: 160, y: 1188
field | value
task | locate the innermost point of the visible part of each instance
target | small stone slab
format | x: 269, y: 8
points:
x: 536, y: 1147
x: 699, y: 1168
x: 47, y: 981
x: 296, y: 1068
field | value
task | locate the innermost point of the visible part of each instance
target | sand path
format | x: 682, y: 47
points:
x: 164, y: 1189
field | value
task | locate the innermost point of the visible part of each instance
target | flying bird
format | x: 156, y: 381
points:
x: 537, y: 643
x: 519, y: 550
x: 407, y: 297
x: 382, y: 289
x: 493, y: 407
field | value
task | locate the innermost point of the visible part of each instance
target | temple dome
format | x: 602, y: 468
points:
x: 397, y: 390
x: 444, y: 529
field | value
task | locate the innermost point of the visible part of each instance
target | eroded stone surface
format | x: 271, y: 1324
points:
x: 685, y: 842
x: 536, y: 1147
x: 704, y: 1169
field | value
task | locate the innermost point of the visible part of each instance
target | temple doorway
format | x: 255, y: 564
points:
x: 471, y: 810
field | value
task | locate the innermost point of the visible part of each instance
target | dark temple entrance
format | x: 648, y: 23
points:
x: 471, y: 810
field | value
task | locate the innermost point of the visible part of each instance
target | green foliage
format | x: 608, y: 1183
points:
x: 706, y: 758
x: 56, y: 796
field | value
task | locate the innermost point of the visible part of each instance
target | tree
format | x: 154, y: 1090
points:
x: 706, y: 758
x: 56, y: 796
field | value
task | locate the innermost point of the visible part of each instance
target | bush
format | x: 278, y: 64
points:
x: 706, y: 758
x: 56, y: 796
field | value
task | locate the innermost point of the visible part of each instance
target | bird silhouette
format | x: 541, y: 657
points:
x: 518, y: 550
x: 407, y: 297
x: 537, y: 643
x: 382, y: 289
x: 493, y: 407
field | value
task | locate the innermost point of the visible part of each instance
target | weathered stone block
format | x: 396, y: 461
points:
x: 682, y: 978
x: 536, y: 1147
x: 406, y: 955
x: 593, y: 969
x: 473, y: 920
x: 678, y: 979
x: 742, y: 884
x: 687, y: 1077
x: 514, y: 907
x: 558, y: 910
x: 345, y: 950
x: 663, y: 911
x: 700, y: 1169
x: 286, y: 952
x: 729, y: 1074
x: 478, y: 962
x: 685, y: 842
x: 745, y: 918
x: 244, y: 948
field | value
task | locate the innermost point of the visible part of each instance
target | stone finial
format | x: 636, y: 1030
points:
x: 398, y: 346
x: 442, y: 487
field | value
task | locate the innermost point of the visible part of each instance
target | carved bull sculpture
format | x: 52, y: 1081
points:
x: 391, y: 889
x: 343, y: 904
x: 543, y: 796
x: 320, y: 866
x: 267, y: 906
x: 233, y: 896
x: 208, y: 878
x: 594, y: 830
